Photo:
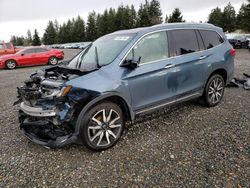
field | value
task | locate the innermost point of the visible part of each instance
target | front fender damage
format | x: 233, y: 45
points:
x: 47, y: 118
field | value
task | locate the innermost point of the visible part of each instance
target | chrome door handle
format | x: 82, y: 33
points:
x: 169, y: 66
x: 203, y: 57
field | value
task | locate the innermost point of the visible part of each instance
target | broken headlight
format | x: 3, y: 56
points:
x: 64, y: 91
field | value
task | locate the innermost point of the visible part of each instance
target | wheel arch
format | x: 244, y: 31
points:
x: 220, y: 71
x: 17, y: 64
x: 111, y: 97
x: 52, y: 55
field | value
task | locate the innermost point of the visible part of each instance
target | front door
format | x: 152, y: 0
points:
x: 153, y: 82
x: 27, y: 57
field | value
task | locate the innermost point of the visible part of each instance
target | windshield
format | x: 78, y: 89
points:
x: 101, y: 52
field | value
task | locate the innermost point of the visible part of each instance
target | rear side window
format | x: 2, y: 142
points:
x: 38, y: 50
x: 152, y: 47
x: 183, y: 42
x: 211, y: 38
x: 1, y: 46
x: 8, y: 46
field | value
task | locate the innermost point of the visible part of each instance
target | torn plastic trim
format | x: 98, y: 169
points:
x: 37, y: 111
x: 33, y: 136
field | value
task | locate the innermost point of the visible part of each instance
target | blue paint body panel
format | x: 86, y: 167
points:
x: 152, y: 84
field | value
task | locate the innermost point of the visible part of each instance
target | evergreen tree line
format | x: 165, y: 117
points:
x: 126, y: 17
x: 29, y: 40
x: 229, y: 20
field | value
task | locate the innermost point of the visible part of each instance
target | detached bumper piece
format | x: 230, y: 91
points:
x: 37, y: 111
x: 42, y: 133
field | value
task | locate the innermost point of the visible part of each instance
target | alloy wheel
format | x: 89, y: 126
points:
x: 11, y: 64
x: 104, y: 128
x: 53, y: 61
x: 215, y: 90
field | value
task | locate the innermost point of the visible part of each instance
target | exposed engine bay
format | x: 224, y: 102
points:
x: 48, y: 107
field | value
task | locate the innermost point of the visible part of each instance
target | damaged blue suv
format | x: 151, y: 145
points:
x: 122, y: 75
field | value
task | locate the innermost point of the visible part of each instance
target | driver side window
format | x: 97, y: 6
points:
x: 151, y: 48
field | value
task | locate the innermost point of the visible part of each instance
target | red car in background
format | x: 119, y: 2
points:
x: 31, y: 56
x: 7, y: 48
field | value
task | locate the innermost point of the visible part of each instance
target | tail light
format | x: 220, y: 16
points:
x: 233, y: 52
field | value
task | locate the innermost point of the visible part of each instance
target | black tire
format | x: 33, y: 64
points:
x: 53, y: 60
x: 212, y: 90
x: 11, y: 64
x: 90, y: 127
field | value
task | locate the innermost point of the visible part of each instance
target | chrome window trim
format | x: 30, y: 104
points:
x: 156, y: 31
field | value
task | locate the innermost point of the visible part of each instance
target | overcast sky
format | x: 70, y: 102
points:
x: 17, y: 16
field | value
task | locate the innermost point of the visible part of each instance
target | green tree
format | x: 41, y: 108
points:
x: 91, y: 30
x: 229, y: 18
x: 20, y: 41
x: 50, y: 34
x: 216, y: 17
x: 122, y: 18
x: 78, y: 31
x: 62, y: 34
x: 36, y: 39
x: 111, y: 20
x: 176, y: 16
x: 166, y: 19
x: 243, y: 17
x: 101, y: 24
x: 69, y: 31
x: 13, y: 39
x: 155, y: 12
x: 144, y: 19
x: 29, y: 37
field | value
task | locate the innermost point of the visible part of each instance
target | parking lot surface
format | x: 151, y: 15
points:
x: 186, y: 145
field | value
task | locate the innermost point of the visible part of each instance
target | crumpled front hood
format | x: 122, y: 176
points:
x: 47, y: 83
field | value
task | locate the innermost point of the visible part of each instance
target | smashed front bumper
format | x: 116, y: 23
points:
x: 44, y: 126
x: 37, y: 125
x: 37, y: 111
x: 40, y: 133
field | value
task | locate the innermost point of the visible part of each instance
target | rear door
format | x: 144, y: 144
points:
x: 187, y: 49
x: 218, y: 56
x: 41, y: 55
x: 153, y: 82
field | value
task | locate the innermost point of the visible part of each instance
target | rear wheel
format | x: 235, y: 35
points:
x: 11, y: 64
x: 102, y: 126
x: 214, y: 91
x: 53, y: 61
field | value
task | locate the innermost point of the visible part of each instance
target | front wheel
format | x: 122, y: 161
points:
x: 214, y: 91
x: 102, y: 126
x: 53, y: 61
x: 11, y: 64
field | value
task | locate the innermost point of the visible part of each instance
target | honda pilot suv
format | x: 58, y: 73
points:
x: 122, y: 75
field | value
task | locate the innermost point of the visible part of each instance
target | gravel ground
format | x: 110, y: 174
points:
x: 183, y: 146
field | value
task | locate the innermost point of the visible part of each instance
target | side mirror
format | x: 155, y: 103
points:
x: 22, y: 54
x: 131, y: 63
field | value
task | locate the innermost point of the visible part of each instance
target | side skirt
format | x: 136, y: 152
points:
x: 157, y: 107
